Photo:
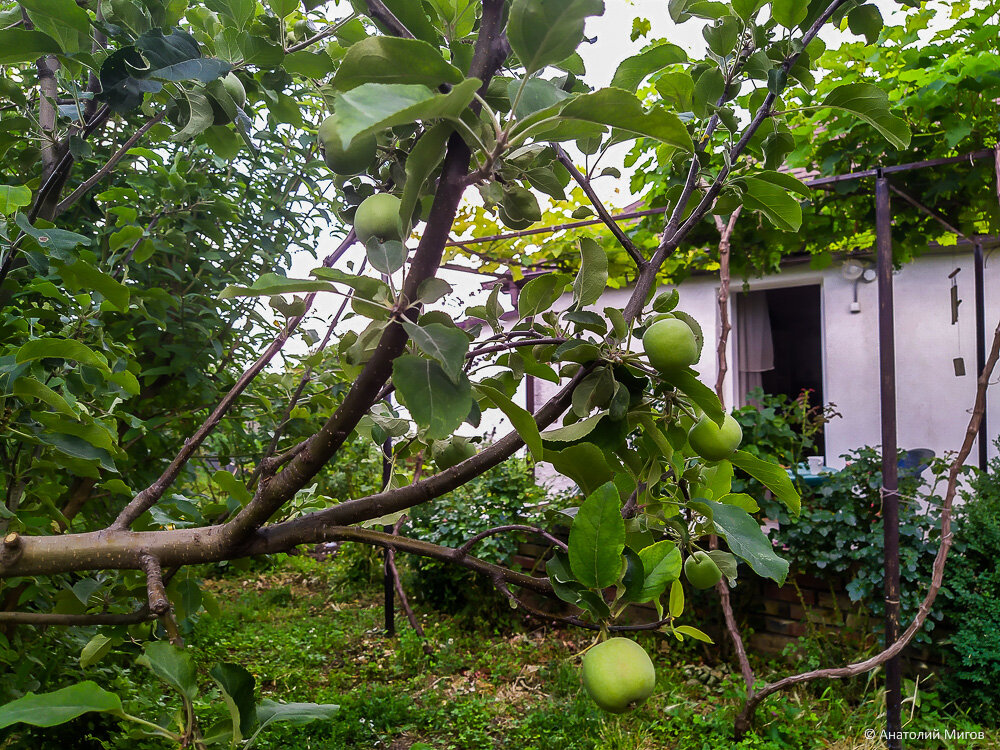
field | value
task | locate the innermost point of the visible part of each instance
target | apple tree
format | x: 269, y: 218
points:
x: 165, y: 160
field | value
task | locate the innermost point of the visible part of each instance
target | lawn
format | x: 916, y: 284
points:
x: 308, y: 636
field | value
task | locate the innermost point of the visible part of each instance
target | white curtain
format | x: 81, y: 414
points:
x: 755, y: 348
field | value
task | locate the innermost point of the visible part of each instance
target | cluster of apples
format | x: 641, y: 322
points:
x: 378, y: 215
x: 618, y: 673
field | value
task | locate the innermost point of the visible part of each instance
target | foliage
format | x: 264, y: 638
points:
x: 840, y: 534
x: 972, y: 613
x: 780, y: 429
x: 504, y: 495
x: 166, y: 168
x: 175, y: 669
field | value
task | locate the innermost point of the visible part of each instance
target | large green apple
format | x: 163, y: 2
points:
x: 715, y: 443
x: 670, y: 345
x: 618, y: 674
x: 378, y: 216
x: 354, y: 159
x: 700, y: 569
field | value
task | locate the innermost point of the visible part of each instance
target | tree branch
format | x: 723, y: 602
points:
x: 725, y: 238
x: 623, y: 239
x: 380, y: 13
x: 743, y: 720
x: 465, y: 548
x: 111, y: 163
x: 46, y: 618
x: 149, y: 496
x: 159, y: 604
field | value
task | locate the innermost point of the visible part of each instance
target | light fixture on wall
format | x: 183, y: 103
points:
x: 856, y: 271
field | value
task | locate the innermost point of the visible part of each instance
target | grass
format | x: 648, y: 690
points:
x: 307, y: 636
x: 312, y: 631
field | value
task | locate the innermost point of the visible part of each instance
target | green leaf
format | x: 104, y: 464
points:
x: 676, y: 605
x: 270, y: 712
x: 632, y: 70
x: 592, y: 279
x: 706, y: 399
x: 172, y: 665
x: 661, y: 563
x: 621, y: 109
x: 789, y: 13
x: 421, y: 162
x: 390, y: 59
x: 522, y: 420
x: 200, y: 116
x: 60, y: 706
x: 13, y: 197
x: 723, y: 35
x: 866, y: 21
x: 536, y: 95
x: 308, y: 64
x: 385, y: 257
x: 237, y: 686
x: 271, y: 284
x: 82, y: 275
x: 412, y: 16
x: 77, y: 447
x: 694, y: 633
x: 771, y: 476
x: 232, y: 486
x: 539, y: 294
x: 282, y: 8
x: 436, y: 402
x: 584, y: 463
x: 22, y: 45
x: 774, y: 201
x: 746, y: 9
x: 597, y: 538
x: 63, y: 20
x: 374, y: 106
x: 871, y: 104
x: 573, y: 432
x: 543, y: 32
x: 740, y: 500
x: 95, y: 650
x: 62, y: 349
x: 446, y: 344
x: 746, y: 539
x: 26, y: 387
x: 54, y: 240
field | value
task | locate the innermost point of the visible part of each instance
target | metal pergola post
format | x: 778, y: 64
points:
x: 983, y: 443
x: 890, y: 458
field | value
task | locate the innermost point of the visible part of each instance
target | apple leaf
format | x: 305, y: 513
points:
x: 597, y: 538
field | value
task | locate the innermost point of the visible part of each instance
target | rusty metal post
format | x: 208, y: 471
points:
x: 890, y: 458
x: 983, y: 441
x: 388, y: 583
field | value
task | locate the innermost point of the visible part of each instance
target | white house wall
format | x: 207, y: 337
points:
x: 933, y: 404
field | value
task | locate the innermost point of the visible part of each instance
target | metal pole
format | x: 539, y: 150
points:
x: 388, y: 584
x: 890, y: 458
x: 983, y: 440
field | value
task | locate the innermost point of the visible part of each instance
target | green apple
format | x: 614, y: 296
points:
x: 670, y: 345
x: 715, y: 443
x: 233, y: 87
x: 702, y: 572
x: 618, y: 674
x: 354, y: 159
x: 448, y: 453
x: 378, y: 216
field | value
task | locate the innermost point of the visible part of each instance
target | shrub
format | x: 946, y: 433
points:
x: 972, y: 578
x: 504, y: 495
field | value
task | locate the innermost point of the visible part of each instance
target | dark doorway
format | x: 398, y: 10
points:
x: 780, y: 336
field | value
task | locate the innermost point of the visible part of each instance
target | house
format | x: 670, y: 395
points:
x: 818, y: 329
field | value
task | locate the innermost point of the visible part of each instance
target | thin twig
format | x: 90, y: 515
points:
x: 623, y: 239
x: 82, y: 190
x: 465, y: 548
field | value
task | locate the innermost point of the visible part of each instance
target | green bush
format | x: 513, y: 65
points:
x: 840, y: 534
x: 972, y: 577
x: 504, y: 495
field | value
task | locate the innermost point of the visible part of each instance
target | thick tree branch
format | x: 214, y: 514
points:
x: 490, y: 52
x: 623, y: 239
x: 380, y: 13
x: 46, y: 618
x: 159, y: 604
